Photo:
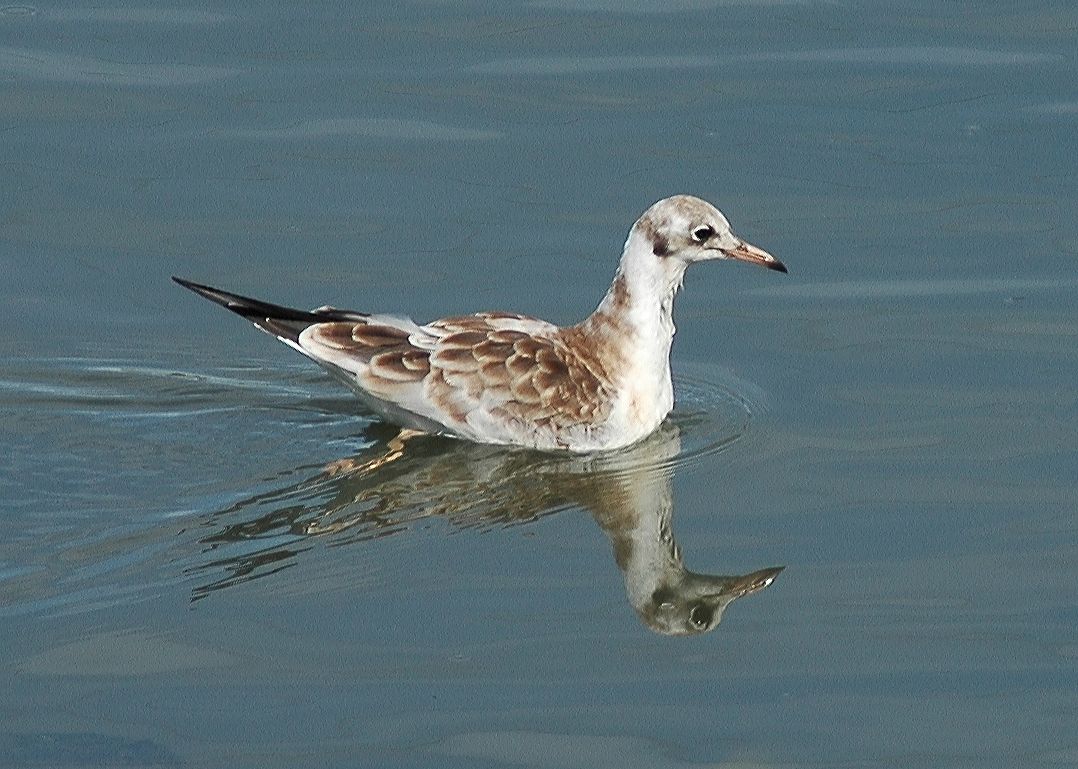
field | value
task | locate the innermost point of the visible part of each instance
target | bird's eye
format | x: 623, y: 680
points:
x: 700, y: 234
x: 700, y: 616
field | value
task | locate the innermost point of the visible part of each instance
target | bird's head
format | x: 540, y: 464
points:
x: 682, y: 229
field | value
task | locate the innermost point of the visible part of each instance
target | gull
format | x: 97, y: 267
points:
x: 504, y: 378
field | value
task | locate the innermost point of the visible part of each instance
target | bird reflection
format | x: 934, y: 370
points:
x: 397, y: 483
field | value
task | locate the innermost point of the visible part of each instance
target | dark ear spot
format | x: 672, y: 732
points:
x: 660, y: 246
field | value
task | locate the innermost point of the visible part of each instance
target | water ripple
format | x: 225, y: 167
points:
x: 70, y: 68
x: 374, y: 128
x: 180, y: 506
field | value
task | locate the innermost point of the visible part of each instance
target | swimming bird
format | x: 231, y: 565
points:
x: 504, y: 378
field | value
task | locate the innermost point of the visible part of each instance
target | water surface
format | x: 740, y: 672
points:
x: 215, y: 557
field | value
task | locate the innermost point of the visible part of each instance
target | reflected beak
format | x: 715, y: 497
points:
x: 757, y: 580
x: 746, y: 252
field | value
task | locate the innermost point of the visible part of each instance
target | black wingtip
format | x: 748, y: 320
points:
x: 188, y: 283
x: 235, y: 302
x: 207, y: 291
x: 257, y: 311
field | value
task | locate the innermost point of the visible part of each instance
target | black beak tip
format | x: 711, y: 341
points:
x: 777, y: 266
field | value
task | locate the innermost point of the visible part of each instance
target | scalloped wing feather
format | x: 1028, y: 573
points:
x: 495, y: 375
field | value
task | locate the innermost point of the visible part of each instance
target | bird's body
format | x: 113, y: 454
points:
x: 504, y: 378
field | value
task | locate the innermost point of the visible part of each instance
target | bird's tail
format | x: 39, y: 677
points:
x: 285, y: 323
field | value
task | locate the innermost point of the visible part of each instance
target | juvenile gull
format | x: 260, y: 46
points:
x: 504, y: 378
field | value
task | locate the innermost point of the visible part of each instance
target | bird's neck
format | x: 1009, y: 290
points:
x: 630, y: 334
x: 638, y: 307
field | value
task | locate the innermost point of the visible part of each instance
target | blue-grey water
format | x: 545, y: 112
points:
x: 213, y: 557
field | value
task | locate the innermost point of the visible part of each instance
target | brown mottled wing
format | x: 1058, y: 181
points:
x: 494, y: 374
x: 501, y: 377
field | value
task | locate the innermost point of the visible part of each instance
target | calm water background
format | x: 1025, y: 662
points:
x: 896, y: 421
